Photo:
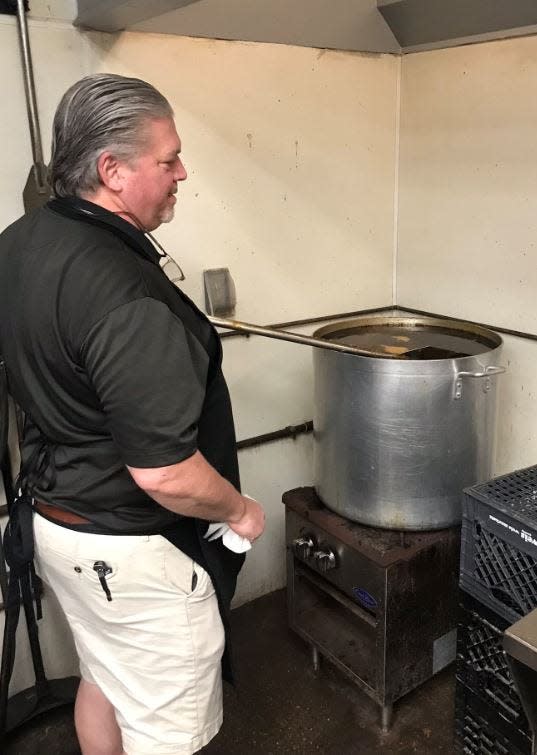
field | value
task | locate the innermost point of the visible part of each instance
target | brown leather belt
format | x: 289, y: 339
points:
x: 60, y: 515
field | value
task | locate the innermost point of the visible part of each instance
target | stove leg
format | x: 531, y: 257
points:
x: 315, y: 657
x: 386, y: 718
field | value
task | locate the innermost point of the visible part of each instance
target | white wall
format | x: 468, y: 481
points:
x: 53, y: 10
x: 468, y: 207
x: 291, y: 158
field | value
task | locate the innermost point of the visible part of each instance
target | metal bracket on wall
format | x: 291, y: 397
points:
x: 220, y: 294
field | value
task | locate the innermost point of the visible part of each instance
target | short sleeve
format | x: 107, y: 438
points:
x: 149, y: 374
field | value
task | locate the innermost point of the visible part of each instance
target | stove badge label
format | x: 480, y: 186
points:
x: 365, y: 598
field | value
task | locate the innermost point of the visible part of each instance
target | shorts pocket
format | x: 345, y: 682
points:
x: 204, y: 588
x: 180, y: 571
x: 100, y: 575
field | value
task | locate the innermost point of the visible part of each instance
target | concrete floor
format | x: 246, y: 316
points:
x: 281, y: 707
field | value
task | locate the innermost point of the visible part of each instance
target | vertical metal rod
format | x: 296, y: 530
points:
x: 31, y: 103
x: 316, y: 659
x: 386, y: 718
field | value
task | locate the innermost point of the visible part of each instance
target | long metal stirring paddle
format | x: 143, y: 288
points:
x: 285, y: 335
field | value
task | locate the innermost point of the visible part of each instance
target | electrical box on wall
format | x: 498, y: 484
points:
x: 220, y: 296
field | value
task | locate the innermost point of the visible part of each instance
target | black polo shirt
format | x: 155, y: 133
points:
x: 112, y: 364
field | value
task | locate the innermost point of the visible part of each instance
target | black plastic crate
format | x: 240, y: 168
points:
x: 479, y: 730
x: 481, y: 661
x: 499, y: 543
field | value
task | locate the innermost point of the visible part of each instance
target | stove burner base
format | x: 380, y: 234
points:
x: 380, y: 605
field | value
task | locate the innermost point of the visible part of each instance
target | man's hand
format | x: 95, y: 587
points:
x: 252, y: 520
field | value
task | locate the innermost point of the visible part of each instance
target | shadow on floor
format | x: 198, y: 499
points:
x: 281, y: 707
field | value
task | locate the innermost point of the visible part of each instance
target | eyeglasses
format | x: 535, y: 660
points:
x: 170, y: 267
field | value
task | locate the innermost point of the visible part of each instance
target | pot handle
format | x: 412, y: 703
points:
x: 486, y: 373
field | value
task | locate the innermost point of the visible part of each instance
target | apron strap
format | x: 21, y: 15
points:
x: 23, y: 585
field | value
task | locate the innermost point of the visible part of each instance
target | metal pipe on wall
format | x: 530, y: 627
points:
x: 291, y: 431
x: 31, y: 102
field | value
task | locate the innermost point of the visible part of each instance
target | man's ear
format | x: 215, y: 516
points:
x: 110, y: 171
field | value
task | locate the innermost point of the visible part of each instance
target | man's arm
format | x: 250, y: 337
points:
x: 194, y: 488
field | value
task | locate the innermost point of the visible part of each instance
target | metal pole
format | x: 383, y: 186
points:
x: 285, y: 335
x: 31, y: 103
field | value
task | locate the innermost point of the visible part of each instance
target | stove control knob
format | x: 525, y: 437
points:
x: 303, y: 546
x: 325, y: 560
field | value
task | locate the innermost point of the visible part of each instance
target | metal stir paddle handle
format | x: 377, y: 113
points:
x: 285, y: 335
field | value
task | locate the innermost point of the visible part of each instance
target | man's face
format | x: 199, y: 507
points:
x: 150, y: 180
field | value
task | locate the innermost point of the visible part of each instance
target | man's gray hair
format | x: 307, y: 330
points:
x: 102, y: 112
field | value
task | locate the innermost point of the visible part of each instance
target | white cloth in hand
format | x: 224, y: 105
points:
x: 230, y: 539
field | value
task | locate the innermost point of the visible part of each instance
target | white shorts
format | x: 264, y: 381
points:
x: 154, y: 650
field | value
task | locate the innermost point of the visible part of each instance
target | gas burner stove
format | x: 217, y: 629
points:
x: 381, y: 605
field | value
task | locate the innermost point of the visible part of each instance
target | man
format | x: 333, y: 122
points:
x: 129, y: 445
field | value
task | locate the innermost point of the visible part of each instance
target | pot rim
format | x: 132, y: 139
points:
x: 489, y: 338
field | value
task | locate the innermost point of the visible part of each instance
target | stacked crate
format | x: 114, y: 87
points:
x: 498, y: 580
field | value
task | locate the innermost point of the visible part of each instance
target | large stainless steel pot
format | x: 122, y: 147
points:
x: 396, y: 440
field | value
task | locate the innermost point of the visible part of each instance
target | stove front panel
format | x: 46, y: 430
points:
x: 389, y: 625
x: 362, y: 581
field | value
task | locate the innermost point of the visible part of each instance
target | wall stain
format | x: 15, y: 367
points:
x: 342, y: 54
x: 250, y: 137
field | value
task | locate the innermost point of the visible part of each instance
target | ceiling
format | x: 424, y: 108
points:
x: 359, y: 25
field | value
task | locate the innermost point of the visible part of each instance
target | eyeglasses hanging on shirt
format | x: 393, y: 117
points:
x: 168, y: 265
